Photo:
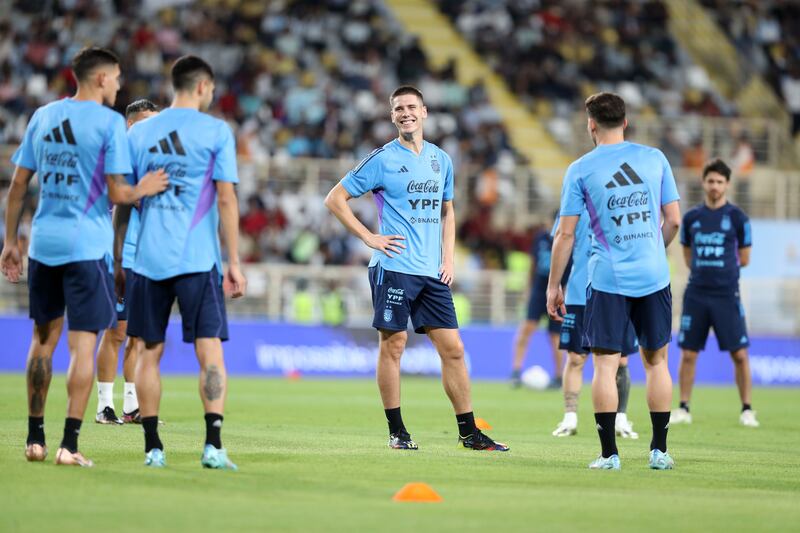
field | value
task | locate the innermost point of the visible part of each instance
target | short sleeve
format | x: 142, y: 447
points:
x: 25, y: 156
x: 225, y: 163
x: 669, y: 189
x: 686, y: 236
x: 117, y: 149
x: 572, y: 200
x: 365, y: 177
x: 448, y: 180
x: 743, y: 232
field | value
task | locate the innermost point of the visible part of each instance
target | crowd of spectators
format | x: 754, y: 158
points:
x: 295, y: 79
x: 767, y: 34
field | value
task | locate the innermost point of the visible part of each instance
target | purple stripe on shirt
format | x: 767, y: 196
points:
x: 379, y: 201
x: 207, y: 194
x: 98, y: 181
x: 598, y: 231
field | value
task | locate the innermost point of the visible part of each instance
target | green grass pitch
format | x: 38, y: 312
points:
x: 312, y: 456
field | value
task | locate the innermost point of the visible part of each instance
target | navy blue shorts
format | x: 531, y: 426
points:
x: 200, y: 302
x: 397, y: 296
x: 122, y: 303
x: 537, y: 306
x: 572, y: 333
x: 610, y: 317
x: 722, y: 312
x: 84, y: 288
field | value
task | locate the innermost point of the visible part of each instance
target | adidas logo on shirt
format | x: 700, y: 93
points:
x: 619, y: 178
x: 61, y: 134
x: 169, y: 145
x: 403, y: 169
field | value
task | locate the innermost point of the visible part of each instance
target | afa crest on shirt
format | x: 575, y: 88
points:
x: 387, y: 315
x: 435, y: 165
x: 725, y: 225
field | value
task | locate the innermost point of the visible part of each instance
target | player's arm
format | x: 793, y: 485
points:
x: 672, y: 221
x: 11, y: 258
x: 234, y: 282
x: 744, y: 256
x: 687, y: 256
x: 447, y: 271
x: 122, y: 215
x: 121, y: 192
x: 560, y: 255
x: 336, y: 202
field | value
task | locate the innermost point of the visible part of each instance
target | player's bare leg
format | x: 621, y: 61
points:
x: 148, y: 387
x: 107, y: 362
x: 38, y: 375
x: 622, y: 425
x: 744, y: 383
x: 391, y: 345
x: 686, y: 372
x: 605, y: 401
x: 659, y: 397
x: 213, y: 390
x: 573, y: 380
x: 521, y: 341
x: 455, y: 380
x: 130, y: 401
x: 80, y: 376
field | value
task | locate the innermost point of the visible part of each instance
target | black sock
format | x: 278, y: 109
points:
x: 151, y: 440
x: 395, y: 420
x: 72, y: 428
x: 685, y: 405
x: 605, y: 428
x: 35, y: 430
x: 660, y: 426
x: 213, y: 430
x: 466, y: 424
x: 746, y: 407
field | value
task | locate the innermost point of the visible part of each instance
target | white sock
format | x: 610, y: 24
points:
x: 130, y: 401
x: 622, y: 419
x: 571, y: 419
x: 105, y: 396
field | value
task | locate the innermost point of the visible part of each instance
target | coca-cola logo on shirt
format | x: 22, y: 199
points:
x: 423, y: 186
x: 634, y: 199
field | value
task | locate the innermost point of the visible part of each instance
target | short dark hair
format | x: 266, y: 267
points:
x: 139, y: 106
x: 187, y: 70
x: 89, y: 59
x: 406, y: 89
x: 717, y: 165
x: 607, y: 109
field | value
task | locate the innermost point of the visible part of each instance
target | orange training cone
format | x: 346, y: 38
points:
x: 480, y: 423
x: 417, y: 492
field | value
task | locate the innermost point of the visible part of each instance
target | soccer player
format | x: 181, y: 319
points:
x: 571, y: 341
x: 112, y: 339
x: 78, y: 150
x: 178, y: 252
x: 412, y: 267
x: 537, y: 307
x: 627, y: 189
x: 716, y: 242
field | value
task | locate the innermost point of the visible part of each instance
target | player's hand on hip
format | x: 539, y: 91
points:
x: 154, y: 182
x: 447, y: 273
x: 11, y: 263
x: 234, y: 284
x: 555, y: 303
x: 119, y: 281
x: 387, y: 244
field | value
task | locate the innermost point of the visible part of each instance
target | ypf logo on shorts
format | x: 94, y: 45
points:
x: 395, y: 296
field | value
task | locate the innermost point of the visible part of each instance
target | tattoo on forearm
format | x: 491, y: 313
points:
x: 571, y: 401
x: 213, y: 386
x: 40, y: 370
